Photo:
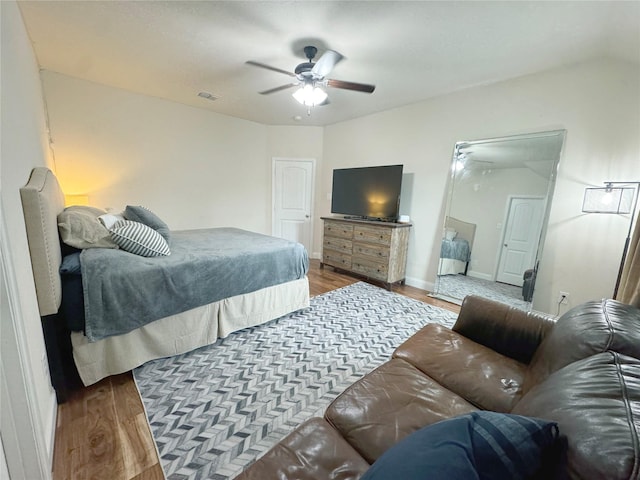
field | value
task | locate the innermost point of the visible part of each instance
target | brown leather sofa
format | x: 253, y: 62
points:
x: 582, y: 372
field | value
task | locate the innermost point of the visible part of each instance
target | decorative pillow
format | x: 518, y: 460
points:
x: 79, y: 227
x: 478, y: 445
x: 110, y: 219
x: 144, y: 215
x: 139, y: 239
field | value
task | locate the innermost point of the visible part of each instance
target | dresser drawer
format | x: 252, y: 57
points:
x: 372, y: 234
x: 380, y: 252
x: 338, y: 244
x: 338, y: 229
x: 336, y: 259
x: 371, y: 269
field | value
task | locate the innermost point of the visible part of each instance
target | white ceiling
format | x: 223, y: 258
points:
x: 411, y: 50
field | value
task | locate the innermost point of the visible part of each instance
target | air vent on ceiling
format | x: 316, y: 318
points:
x: 208, y: 96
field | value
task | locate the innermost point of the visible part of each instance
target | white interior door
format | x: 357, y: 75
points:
x: 292, y: 199
x: 521, y: 237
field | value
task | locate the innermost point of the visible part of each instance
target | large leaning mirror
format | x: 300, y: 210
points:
x: 496, y: 217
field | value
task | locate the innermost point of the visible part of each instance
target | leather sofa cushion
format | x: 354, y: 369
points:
x: 483, y: 377
x: 314, y: 450
x: 388, y: 404
x: 586, y: 330
x: 507, y: 330
x: 596, y: 403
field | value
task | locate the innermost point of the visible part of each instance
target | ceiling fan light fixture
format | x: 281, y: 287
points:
x: 310, y: 95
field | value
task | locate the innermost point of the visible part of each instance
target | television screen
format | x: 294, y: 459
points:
x: 369, y: 192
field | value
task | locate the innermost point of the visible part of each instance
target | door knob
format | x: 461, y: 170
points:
x: 306, y: 216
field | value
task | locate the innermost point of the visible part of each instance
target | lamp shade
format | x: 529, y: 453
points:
x: 608, y: 200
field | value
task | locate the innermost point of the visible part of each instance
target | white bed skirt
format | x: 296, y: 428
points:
x: 185, y: 331
x: 449, y: 266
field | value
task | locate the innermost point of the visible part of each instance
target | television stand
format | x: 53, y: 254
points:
x: 374, y: 249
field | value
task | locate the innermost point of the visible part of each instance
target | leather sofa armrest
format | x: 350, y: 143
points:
x: 507, y: 330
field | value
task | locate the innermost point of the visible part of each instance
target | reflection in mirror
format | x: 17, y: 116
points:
x: 496, y: 217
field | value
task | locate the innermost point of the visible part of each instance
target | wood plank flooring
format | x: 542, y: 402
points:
x: 102, y: 431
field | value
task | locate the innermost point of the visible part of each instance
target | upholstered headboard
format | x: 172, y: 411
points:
x: 42, y: 201
x: 465, y: 230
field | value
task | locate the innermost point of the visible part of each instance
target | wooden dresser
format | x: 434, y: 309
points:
x: 377, y: 250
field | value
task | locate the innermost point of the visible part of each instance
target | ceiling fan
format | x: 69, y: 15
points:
x: 311, y: 76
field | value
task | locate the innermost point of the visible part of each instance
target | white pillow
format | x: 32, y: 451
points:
x: 110, y: 219
x: 139, y: 239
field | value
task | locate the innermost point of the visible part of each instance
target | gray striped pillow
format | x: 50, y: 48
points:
x: 139, y: 239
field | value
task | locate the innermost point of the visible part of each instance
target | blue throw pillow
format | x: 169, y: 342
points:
x: 147, y: 217
x: 479, y: 445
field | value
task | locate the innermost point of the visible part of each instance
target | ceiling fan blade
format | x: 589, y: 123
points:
x: 268, y: 67
x: 277, y: 89
x: 358, y: 87
x: 326, y: 62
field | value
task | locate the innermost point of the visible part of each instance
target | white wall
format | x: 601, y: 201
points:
x: 598, y: 103
x: 194, y: 168
x: 24, y: 146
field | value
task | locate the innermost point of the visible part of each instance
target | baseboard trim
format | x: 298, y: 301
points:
x: 420, y: 283
x: 480, y: 275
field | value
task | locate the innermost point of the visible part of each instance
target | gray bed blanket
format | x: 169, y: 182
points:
x: 457, y: 249
x: 123, y: 291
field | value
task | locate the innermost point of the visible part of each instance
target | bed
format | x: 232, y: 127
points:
x: 456, y: 247
x: 203, y: 313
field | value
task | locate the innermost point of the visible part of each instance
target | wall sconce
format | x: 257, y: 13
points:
x: 618, y: 200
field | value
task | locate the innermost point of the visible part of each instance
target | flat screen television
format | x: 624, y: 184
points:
x: 367, y: 192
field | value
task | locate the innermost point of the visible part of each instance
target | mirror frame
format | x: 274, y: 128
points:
x: 548, y: 197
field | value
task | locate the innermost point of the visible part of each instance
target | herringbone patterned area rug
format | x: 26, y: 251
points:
x: 215, y: 410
